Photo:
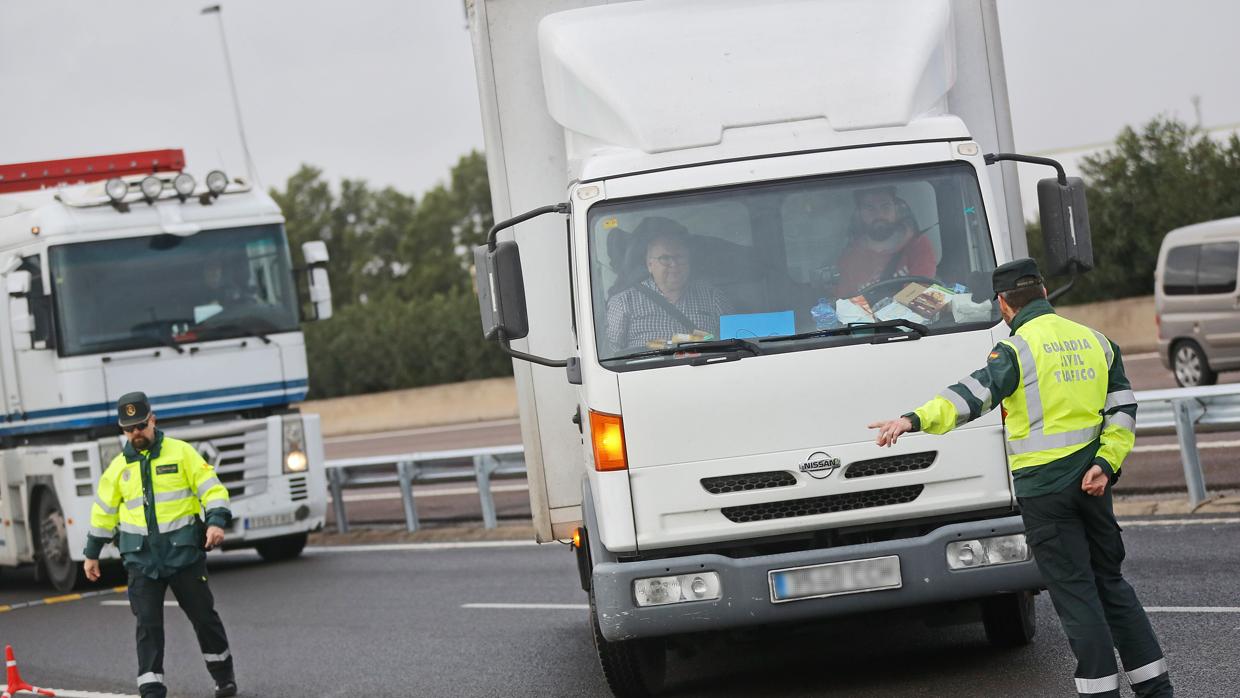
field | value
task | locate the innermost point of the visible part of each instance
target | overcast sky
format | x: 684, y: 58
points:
x: 384, y: 89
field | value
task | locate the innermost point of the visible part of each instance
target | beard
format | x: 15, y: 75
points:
x: 140, y: 442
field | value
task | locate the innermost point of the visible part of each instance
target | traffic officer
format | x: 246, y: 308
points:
x: 1070, y: 418
x: 154, y: 493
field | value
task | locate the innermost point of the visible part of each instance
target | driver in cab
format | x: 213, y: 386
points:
x: 885, y: 244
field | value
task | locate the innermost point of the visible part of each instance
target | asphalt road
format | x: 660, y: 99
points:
x: 398, y: 622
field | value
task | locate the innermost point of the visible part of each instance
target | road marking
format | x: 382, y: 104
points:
x: 66, y: 693
x: 422, y: 430
x: 51, y: 600
x: 530, y: 606
x: 419, y: 493
x: 1162, y: 448
x: 114, y: 602
x: 1192, y: 609
x: 400, y: 547
x: 1178, y: 522
x: 1141, y: 357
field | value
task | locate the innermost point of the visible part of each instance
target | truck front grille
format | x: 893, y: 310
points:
x: 238, y: 450
x: 891, y: 464
x: 297, y: 488
x: 748, y: 481
x: 828, y: 504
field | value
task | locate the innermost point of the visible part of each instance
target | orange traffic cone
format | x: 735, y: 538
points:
x: 14, y: 679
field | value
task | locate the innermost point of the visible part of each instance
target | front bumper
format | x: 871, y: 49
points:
x: 746, y: 595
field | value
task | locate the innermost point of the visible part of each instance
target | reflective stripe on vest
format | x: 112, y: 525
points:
x: 1057, y: 407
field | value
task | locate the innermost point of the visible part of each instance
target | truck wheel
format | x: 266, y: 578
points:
x: 282, y: 548
x: 53, y: 540
x: 1010, y: 619
x: 633, y: 668
x: 1190, y: 366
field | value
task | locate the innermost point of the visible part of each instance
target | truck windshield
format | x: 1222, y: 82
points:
x: 137, y: 292
x: 778, y: 263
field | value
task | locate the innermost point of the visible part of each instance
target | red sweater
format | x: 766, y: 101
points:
x: 861, y: 265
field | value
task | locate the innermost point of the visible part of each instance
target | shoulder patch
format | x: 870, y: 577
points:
x: 994, y: 355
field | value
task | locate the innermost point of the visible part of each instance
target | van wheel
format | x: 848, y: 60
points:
x: 1190, y: 366
x: 54, y: 560
x: 633, y: 668
x: 1010, y: 619
x: 282, y: 548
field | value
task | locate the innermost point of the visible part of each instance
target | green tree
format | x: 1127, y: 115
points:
x: 1165, y: 176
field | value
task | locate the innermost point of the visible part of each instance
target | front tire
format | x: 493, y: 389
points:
x: 1010, y: 619
x: 633, y: 668
x: 282, y: 548
x: 1190, y: 366
x: 55, y: 562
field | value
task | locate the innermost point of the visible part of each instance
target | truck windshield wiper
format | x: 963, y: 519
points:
x: 916, y: 328
x: 710, y: 345
x: 246, y: 327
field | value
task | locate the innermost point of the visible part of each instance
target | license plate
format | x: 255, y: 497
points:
x: 835, y: 579
x: 269, y: 520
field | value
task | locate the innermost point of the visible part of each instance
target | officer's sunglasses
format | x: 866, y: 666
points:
x: 136, y: 427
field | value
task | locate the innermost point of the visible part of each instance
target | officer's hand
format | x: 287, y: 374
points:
x: 1095, y: 482
x: 91, y: 568
x: 215, y: 537
x: 889, y: 431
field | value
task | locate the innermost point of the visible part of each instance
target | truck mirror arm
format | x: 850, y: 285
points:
x: 532, y: 358
x: 992, y: 158
x: 533, y: 213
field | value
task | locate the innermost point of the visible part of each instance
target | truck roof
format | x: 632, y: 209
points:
x: 789, y: 68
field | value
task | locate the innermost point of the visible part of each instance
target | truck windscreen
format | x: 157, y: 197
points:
x: 778, y: 262
x: 165, y: 290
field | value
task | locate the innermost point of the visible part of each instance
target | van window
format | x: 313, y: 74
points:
x: 1201, y: 269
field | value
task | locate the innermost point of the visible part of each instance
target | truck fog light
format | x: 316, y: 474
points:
x: 184, y: 184
x: 998, y: 550
x: 295, y: 462
x: 217, y: 182
x: 660, y: 591
x: 116, y: 189
x: 151, y: 187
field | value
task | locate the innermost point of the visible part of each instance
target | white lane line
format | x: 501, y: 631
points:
x: 66, y: 693
x: 422, y: 430
x: 1178, y: 522
x: 114, y: 602
x: 402, y: 547
x: 419, y: 493
x: 1163, y: 448
x: 1141, y: 357
x: 530, y: 606
x: 1192, y: 609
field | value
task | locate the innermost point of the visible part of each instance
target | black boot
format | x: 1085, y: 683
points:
x: 227, y: 688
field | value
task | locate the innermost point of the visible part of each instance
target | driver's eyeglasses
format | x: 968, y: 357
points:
x: 668, y: 260
x: 135, y: 427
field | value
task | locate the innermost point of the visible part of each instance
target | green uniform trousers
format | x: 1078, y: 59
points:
x: 1078, y: 548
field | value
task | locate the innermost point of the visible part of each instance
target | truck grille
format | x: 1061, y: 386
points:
x: 829, y: 504
x: 238, y: 450
x: 748, y: 481
x: 297, y: 488
x: 892, y: 464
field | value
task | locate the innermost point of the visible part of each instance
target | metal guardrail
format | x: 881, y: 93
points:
x: 1186, y: 411
x: 477, y: 464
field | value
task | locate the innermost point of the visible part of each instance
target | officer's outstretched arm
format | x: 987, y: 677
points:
x: 1119, y: 423
x: 973, y: 396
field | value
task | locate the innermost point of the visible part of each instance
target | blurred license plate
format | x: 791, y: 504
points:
x: 835, y: 578
x: 269, y: 520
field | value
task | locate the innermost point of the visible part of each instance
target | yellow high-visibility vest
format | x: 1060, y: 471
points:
x: 1057, y: 407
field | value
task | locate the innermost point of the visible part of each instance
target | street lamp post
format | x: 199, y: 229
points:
x: 251, y: 171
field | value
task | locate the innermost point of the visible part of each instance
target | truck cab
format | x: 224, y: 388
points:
x: 146, y: 279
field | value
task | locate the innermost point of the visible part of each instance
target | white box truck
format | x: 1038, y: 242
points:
x: 123, y: 273
x: 737, y: 233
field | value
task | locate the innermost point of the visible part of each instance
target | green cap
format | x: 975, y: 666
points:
x: 132, y: 408
x: 1020, y: 273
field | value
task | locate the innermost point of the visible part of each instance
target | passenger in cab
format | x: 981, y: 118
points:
x: 668, y: 305
x: 886, y: 243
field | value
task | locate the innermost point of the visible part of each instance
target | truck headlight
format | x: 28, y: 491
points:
x: 295, y: 460
x: 184, y: 184
x: 982, y: 552
x: 217, y: 182
x: 660, y: 591
x: 116, y: 189
x: 151, y: 187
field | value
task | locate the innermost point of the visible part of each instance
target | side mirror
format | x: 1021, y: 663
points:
x: 317, y: 280
x: 21, y: 321
x: 501, y: 291
x: 1065, y: 226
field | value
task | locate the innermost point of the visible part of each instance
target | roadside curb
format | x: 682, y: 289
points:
x: 1165, y: 506
x: 440, y: 534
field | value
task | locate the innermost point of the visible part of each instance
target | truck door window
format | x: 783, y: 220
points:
x: 760, y: 261
x: 40, y: 303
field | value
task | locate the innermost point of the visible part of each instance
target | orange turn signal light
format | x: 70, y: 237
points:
x: 577, y: 537
x: 607, y: 436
